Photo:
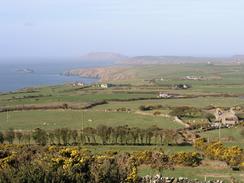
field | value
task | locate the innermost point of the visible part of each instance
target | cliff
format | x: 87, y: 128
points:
x: 103, y: 73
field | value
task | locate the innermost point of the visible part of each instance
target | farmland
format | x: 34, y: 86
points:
x: 65, y: 106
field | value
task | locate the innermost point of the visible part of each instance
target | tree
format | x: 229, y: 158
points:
x: 115, y: 134
x: 51, y: 137
x: 40, y: 136
x: 89, y: 134
x: 104, y: 133
x: 74, y: 136
x: 149, y: 135
x: 161, y: 134
x: 134, y: 132
x: 122, y: 132
x: 142, y: 134
x: 65, y: 135
x: 27, y: 137
x: 19, y: 136
x: 57, y: 134
x: 1, y: 137
x: 9, y: 135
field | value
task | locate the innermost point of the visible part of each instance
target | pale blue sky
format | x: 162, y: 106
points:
x: 70, y: 28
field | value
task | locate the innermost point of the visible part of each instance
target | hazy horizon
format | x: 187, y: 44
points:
x: 69, y: 29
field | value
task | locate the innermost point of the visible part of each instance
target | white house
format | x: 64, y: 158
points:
x: 226, y: 117
x: 164, y: 95
x: 105, y: 85
x: 78, y: 84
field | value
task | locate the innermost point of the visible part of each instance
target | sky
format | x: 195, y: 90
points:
x: 71, y: 28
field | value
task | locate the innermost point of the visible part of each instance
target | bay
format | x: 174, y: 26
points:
x: 13, y: 76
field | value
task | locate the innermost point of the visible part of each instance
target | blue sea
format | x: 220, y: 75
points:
x: 44, y: 74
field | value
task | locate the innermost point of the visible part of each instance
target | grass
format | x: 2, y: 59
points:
x: 130, y: 149
x: 194, y: 102
x: 27, y: 120
x: 231, y: 83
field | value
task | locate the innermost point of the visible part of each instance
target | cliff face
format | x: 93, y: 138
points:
x: 103, y: 73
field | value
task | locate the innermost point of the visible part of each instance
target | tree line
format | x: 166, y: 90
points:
x: 102, y: 134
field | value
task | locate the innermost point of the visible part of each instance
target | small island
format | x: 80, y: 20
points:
x: 25, y: 71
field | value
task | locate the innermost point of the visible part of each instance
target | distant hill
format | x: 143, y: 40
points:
x: 117, y: 58
x: 239, y: 58
x: 144, y: 60
x: 103, y: 56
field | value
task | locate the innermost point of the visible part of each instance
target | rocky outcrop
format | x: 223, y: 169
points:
x: 160, y: 179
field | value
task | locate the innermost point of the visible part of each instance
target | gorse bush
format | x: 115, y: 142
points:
x: 232, y: 155
x: 186, y: 158
x: 189, y: 112
x: 21, y: 163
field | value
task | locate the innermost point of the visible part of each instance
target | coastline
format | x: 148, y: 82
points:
x: 49, y: 75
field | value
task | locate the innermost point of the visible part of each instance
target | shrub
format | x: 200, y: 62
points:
x: 156, y: 113
x: 186, y: 158
x: 185, y: 111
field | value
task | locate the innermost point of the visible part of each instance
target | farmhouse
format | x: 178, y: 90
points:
x: 227, y: 118
x: 181, y: 86
x: 105, y: 85
x: 164, y: 95
x: 78, y: 84
x: 194, y: 78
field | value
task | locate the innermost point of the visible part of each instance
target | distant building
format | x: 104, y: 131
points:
x: 78, y: 84
x: 195, y: 78
x: 164, y: 95
x: 181, y: 86
x: 105, y: 85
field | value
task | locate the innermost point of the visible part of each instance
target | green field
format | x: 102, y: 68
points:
x: 51, y: 119
x: 130, y: 148
x: 224, y: 87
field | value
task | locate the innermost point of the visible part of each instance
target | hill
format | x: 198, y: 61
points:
x: 112, y: 73
x: 103, y: 56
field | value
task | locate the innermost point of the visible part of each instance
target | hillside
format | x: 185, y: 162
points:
x: 103, y: 73
x: 145, y: 60
x: 103, y: 56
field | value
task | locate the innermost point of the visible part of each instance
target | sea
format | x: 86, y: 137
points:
x: 13, y: 77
